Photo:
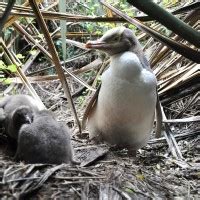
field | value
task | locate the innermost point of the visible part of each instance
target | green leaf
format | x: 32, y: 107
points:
x: 128, y: 190
x: 33, y: 52
x: 20, y: 56
x: 12, y: 68
x: 7, y: 81
x: 2, y: 65
x: 41, y: 36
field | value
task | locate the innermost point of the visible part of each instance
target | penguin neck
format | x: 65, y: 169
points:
x: 140, y: 53
x: 17, y: 125
x: 127, y: 65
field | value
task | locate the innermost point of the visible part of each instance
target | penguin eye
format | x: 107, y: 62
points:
x: 115, y: 39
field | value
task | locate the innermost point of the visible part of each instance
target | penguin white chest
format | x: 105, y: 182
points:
x: 126, y: 102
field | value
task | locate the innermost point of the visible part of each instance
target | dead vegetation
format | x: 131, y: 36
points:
x: 167, y: 168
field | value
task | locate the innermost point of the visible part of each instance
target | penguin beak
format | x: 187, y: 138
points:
x: 95, y: 44
x: 28, y: 119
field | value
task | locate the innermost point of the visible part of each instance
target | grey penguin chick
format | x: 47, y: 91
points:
x: 123, y: 114
x: 9, y: 104
x: 44, y: 141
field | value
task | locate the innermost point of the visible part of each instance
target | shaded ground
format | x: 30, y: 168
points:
x: 104, y: 173
x: 107, y: 174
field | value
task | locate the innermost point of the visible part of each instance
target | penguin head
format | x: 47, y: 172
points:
x: 116, y: 40
x: 23, y: 115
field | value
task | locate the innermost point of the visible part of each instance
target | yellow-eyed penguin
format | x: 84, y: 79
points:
x: 123, y: 113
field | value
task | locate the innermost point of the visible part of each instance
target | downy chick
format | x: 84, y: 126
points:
x: 44, y: 141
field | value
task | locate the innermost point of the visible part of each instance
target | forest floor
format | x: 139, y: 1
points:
x: 103, y: 172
